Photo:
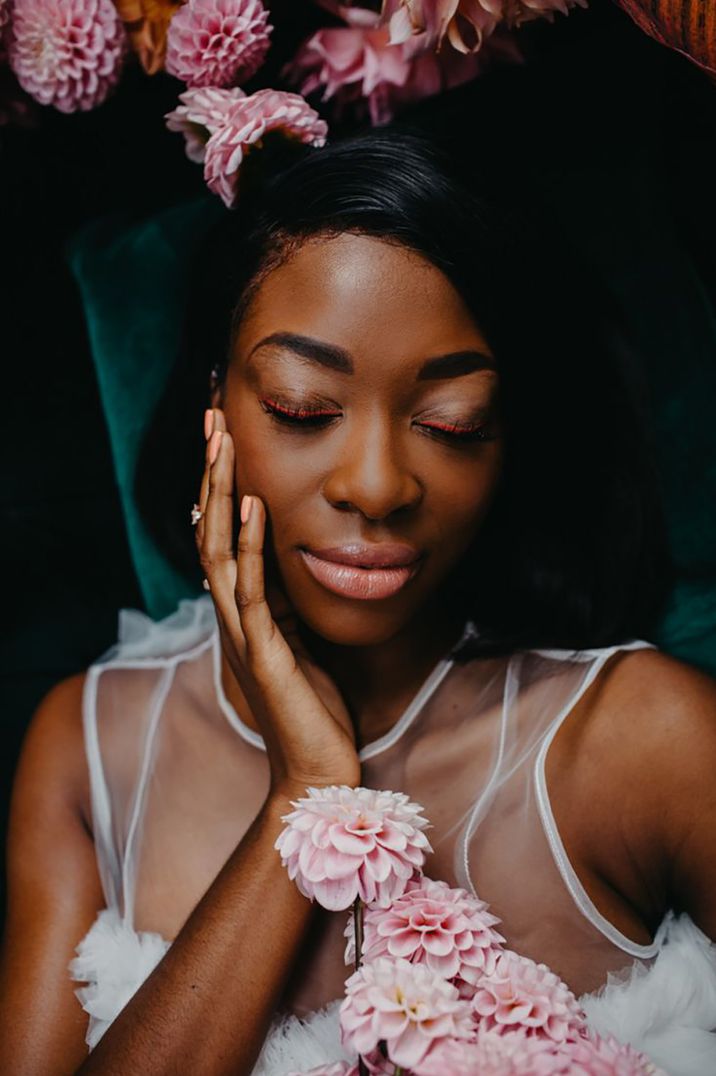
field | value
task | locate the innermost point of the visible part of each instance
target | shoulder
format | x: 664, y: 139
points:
x: 639, y: 754
x: 53, y: 755
x: 657, y: 709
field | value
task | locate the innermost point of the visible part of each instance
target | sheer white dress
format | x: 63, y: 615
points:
x: 176, y: 778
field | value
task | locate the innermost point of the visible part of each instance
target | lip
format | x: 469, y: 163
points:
x: 367, y: 572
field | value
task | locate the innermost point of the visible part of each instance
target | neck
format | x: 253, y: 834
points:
x: 376, y: 682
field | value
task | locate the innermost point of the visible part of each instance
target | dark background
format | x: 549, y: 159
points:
x: 596, y: 100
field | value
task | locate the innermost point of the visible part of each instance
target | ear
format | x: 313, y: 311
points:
x: 216, y: 389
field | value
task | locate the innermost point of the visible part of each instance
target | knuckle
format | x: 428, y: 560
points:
x: 244, y: 599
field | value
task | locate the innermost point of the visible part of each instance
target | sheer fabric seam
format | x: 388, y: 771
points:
x: 162, y: 691
x: 474, y: 814
x: 569, y: 876
x: 99, y: 792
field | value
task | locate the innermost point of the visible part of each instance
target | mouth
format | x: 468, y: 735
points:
x: 366, y: 572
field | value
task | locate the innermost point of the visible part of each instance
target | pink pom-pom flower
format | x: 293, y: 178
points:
x: 404, y: 1005
x: 66, y: 53
x: 246, y: 123
x: 217, y: 42
x: 592, y: 1055
x: 520, y: 992
x: 447, y: 929
x: 345, y: 843
x: 202, y: 111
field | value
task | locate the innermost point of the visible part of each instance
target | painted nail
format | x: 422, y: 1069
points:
x: 246, y: 505
x: 208, y: 422
x: 214, y: 445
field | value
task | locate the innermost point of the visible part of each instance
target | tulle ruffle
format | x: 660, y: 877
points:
x: 113, y: 960
x: 666, y: 1009
x: 139, y: 637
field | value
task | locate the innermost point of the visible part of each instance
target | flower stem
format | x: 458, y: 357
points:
x: 358, y: 931
x: 358, y: 939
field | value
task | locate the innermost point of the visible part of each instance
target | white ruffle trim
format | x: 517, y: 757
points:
x: 667, y: 1009
x: 138, y: 636
x: 114, y: 960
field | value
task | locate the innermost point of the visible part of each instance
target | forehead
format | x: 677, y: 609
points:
x: 364, y: 294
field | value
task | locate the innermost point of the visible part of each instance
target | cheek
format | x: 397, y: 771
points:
x: 272, y: 467
x: 462, y: 494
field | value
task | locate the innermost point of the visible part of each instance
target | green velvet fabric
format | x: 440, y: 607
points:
x: 132, y: 281
x: 132, y: 278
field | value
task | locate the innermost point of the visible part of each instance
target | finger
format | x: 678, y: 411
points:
x: 217, y: 554
x: 250, y: 596
x: 214, y: 420
x: 285, y: 617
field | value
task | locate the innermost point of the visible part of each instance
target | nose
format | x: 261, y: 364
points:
x: 372, y: 474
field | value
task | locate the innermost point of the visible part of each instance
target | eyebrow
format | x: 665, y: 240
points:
x: 454, y: 364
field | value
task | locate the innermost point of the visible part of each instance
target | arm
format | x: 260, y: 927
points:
x: 54, y: 893
x: 207, y: 1006
x: 237, y: 945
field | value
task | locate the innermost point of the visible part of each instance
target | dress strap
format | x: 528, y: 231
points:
x: 569, y: 876
x: 107, y: 858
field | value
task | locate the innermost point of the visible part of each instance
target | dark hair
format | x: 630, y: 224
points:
x: 573, y: 552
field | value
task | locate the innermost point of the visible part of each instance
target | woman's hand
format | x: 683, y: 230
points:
x: 305, y: 725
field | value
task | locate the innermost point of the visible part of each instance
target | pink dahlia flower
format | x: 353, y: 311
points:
x: 246, y: 123
x: 520, y: 992
x: 202, y: 112
x: 217, y: 42
x: 358, y: 63
x: 447, y: 929
x: 66, y: 53
x: 405, y: 1005
x: 343, y: 843
x: 592, y: 1055
x: 494, y: 1053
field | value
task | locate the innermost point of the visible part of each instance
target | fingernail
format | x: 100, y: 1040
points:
x: 214, y: 445
x: 246, y: 505
x: 208, y: 422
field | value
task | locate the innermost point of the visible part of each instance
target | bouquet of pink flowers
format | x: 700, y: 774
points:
x: 435, y: 991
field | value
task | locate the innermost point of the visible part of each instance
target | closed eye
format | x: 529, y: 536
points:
x: 477, y: 432
x: 302, y: 416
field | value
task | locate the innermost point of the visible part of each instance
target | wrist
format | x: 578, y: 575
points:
x: 283, y: 791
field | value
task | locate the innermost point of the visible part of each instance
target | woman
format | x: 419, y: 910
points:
x: 449, y: 551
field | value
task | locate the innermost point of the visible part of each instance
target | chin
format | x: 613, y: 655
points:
x: 352, y: 623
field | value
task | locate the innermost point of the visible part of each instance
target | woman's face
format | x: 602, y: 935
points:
x: 362, y: 400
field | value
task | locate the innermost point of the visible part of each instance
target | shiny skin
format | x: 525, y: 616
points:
x: 375, y: 473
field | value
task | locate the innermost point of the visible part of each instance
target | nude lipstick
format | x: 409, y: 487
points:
x: 367, y: 572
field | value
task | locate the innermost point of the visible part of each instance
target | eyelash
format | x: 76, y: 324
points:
x: 317, y: 418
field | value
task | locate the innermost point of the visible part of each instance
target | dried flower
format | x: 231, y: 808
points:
x: 202, y: 112
x: 343, y: 843
x: 66, y: 53
x: 146, y: 23
x: 217, y: 42
x: 404, y: 1005
x: 447, y: 929
x: 522, y: 993
x: 465, y: 23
